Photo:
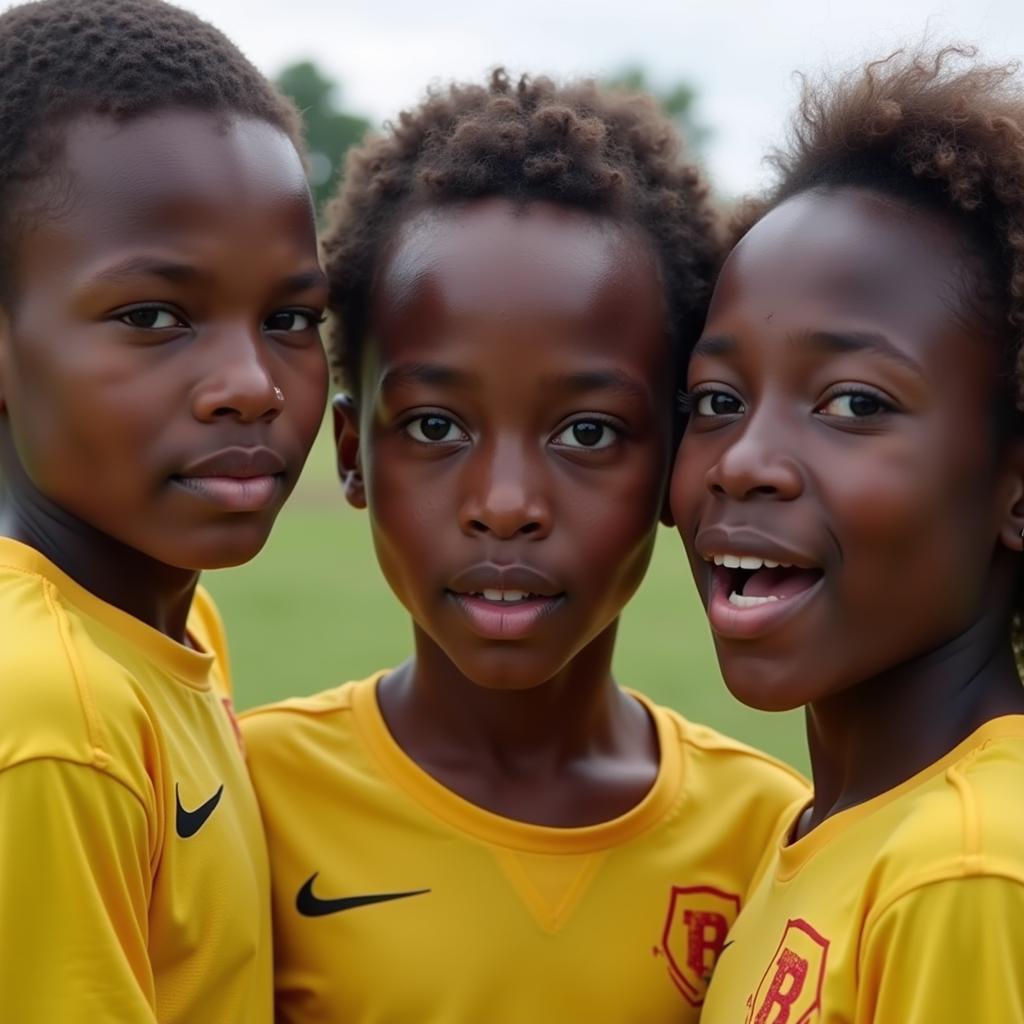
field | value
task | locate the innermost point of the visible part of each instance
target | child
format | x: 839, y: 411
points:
x: 851, y: 492
x: 161, y: 382
x: 494, y: 831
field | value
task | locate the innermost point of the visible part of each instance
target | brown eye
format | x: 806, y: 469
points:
x: 288, y: 321
x: 434, y: 429
x: 718, y: 403
x: 150, y: 318
x: 586, y: 434
x: 854, y: 405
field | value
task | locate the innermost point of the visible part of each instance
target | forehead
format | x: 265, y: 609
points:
x: 848, y: 254
x: 167, y: 178
x: 497, y: 270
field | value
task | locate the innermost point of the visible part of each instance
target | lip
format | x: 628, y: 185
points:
x: 237, y: 463
x: 496, y: 620
x: 495, y: 576
x: 729, y: 622
x: 235, y: 479
x: 718, y: 540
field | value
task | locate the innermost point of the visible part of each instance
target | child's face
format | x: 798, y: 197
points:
x: 843, y: 424
x: 160, y: 370
x: 515, y: 431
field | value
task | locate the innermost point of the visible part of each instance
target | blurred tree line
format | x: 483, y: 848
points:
x: 331, y: 129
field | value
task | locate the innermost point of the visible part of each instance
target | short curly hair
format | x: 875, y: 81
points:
x: 120, y: 58
x: 942, y: 131
x: 939, y: 130
x: 577, y: 145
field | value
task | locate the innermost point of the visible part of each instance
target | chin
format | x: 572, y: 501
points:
x: 224, y: 553
x: 765, y: 685
x: 505, y: 671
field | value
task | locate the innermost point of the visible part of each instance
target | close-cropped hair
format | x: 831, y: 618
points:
x: 60, y: 59
x: 577, y: 145
x: 937, y: 130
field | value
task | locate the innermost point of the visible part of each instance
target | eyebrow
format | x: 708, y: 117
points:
x: 304, y: 280
x: 147, y: 266
x: 182, y: 273
x: 715, y: 345
x: 829, y: 342
x: 425, y: 373
x: 840, y: 342
x: 612, y: 381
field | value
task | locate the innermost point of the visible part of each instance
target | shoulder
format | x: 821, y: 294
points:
x: 301, y: 720
x: 733, y: 790
x: 63, y: 696
x: 972, y: 810
x: 722, y: 762
x: 963, y: 822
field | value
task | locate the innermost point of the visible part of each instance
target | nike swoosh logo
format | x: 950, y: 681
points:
x: 310, y: 905
x: 188, y: 823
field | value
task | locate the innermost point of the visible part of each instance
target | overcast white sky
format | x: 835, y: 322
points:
x: 740, y: 54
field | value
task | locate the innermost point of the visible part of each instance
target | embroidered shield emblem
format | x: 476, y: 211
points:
x: 699, y: 918
x: 790, y: 990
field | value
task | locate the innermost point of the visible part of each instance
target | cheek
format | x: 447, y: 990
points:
x: 686, y: 485
x: 913, y: 529
x: 410, y: 517
x: 304, y: 382
x: 84, y: 426
x: 613, y: 531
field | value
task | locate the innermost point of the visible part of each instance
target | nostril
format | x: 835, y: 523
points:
x: 530, y: 528
x: 477, y: 527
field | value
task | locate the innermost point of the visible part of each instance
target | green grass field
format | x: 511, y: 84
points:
x: 313, y: 611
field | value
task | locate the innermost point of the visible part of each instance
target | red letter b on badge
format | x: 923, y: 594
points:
x: 788, y: 983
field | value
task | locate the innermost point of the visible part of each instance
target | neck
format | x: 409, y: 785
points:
x: 880, y: 732
x: 561, y: 718
x: 159, y: 595
x: 573, y: 750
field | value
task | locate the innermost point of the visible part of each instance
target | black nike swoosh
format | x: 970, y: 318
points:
x: 188, y: 823
x: 309, y: 905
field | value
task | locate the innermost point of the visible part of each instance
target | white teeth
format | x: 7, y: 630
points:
x: 505, y: 595
x: 750, y: 562
x: 742, y: 601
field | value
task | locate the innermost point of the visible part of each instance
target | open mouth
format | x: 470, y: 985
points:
x: 751, y: 581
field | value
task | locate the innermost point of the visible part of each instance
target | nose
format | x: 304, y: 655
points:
x: 757, y: 463
x: 239, y: 383
x: 504, y: 495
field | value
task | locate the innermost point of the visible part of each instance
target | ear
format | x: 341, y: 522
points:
x: 346, y: 443
x: 1011, y: 510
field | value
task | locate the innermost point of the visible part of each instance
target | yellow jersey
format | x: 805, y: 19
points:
x: 134, y: 884
x: 905, y: 909
x: 395, y: 900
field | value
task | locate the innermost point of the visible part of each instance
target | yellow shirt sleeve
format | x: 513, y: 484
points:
x: 946, y: 953
x: 74, y: 888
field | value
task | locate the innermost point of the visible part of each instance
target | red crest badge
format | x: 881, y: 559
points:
x: 699, y: 918
x: 790, y: 990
